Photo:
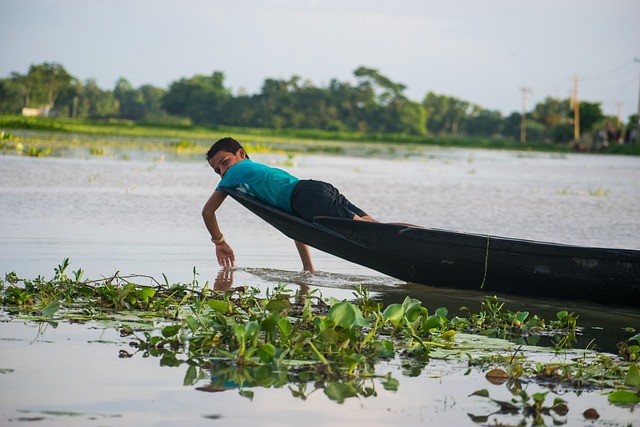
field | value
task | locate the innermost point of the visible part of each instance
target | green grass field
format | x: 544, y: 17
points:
x: 311, y: 140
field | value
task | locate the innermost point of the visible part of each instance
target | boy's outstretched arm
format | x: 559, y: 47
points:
x: 303, y: 250
x: 224, y: 253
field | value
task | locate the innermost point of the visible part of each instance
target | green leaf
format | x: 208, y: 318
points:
x: 385, y: 348
x: 219, y: 306
x: 412, y: 309
x: 267, y: 353
x: 191, y: 376
x: 433, y: 322
x: 285, y: 327
x: 360, y: 320
x: 390, y: 384
x: 169, y: 359
x: 479, y: 419
x: 246, y: 393
x: 394, y: 313
x: 343, y: 314
x: 633, y: 376
x: 251, y: 329
x: 239, y: 332
x: 51, y: 309
x: 147, y: 293
x: 269, y: 324
x: 193, y: 323
x: 353, y: 360
x: 623, y: 397
x: 171, y: 330
x: 442, y: 312
x: 278, y: 305
x: 539, y: 397
x: 482, y: 393
x: 338, y: 392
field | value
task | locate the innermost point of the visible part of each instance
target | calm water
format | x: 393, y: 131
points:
x: 143, y: 217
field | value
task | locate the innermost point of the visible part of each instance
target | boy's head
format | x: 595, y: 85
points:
x: 224, y: 154
x: 229, y: 145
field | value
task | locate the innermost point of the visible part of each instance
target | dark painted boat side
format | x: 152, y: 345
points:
x: 468, y: 261
x: 497, y: 264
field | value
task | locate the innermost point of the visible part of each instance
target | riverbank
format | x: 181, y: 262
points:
x: 311, y: 140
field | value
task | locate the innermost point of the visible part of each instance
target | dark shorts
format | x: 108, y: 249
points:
x: 312, y: 198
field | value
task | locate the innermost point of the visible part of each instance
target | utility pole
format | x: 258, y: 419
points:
x: 523, y: 121
x: 619, y: 105
x: 638, y: 116
x: 576, y: 109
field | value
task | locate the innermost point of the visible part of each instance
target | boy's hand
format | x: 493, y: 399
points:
x: 225, y: 255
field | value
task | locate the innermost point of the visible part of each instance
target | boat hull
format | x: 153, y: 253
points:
x: 468, y: 261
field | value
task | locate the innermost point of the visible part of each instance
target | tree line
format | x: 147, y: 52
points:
x: 374, y: 104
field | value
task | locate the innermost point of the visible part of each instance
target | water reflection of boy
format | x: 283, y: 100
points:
x: 304, y: 198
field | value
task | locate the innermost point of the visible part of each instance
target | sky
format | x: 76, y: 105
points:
x: 488, y: 52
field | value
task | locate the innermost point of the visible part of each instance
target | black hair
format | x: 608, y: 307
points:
x: 227, y: 144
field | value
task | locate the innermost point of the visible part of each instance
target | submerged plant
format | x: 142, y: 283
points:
x: 528, y: 406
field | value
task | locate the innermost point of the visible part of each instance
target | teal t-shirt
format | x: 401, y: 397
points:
x: 271, y: 185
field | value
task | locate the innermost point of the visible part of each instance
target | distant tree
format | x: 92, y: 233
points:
x: 404, y: 116
x: 483, y: 123
x: 275, y: 104
x: 130, y: 101
x: 11, y: 97
x: 240, y: 111
x: 317, y: 108
x: 152, y: 97
x: 556, y: 116
x: 551, y: 112
x: 386, y: 89
x: 561, y: 133
x: 590, y: 114
x: 538, y: 133
x: 24, y: 85
x: 382, y: 106
x: 444, y: 113
x: 94, y: 102
x: 511, y: 126
x: 48, y: 80
x: 201, y: 98
x: 343, y: 97
x: 632, y: 123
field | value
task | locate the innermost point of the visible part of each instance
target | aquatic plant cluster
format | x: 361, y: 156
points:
x: 47, y: 144
x: 248, y: 337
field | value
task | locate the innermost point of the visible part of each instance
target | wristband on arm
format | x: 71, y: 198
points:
x: 217, y: 241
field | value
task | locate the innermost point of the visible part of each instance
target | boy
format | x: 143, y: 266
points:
x: 303, y: 198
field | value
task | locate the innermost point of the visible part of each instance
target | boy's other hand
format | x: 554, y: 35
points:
x: 225, y: 255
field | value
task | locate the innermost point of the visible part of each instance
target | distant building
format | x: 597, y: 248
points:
x: 34, y: 112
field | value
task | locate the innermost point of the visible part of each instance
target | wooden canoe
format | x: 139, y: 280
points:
x: 468, y: 261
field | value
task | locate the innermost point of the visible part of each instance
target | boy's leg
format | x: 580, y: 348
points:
x: 305, y: 256
x: 313, y: 198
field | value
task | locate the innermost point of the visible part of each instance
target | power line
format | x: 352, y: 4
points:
x: 611, y: 71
